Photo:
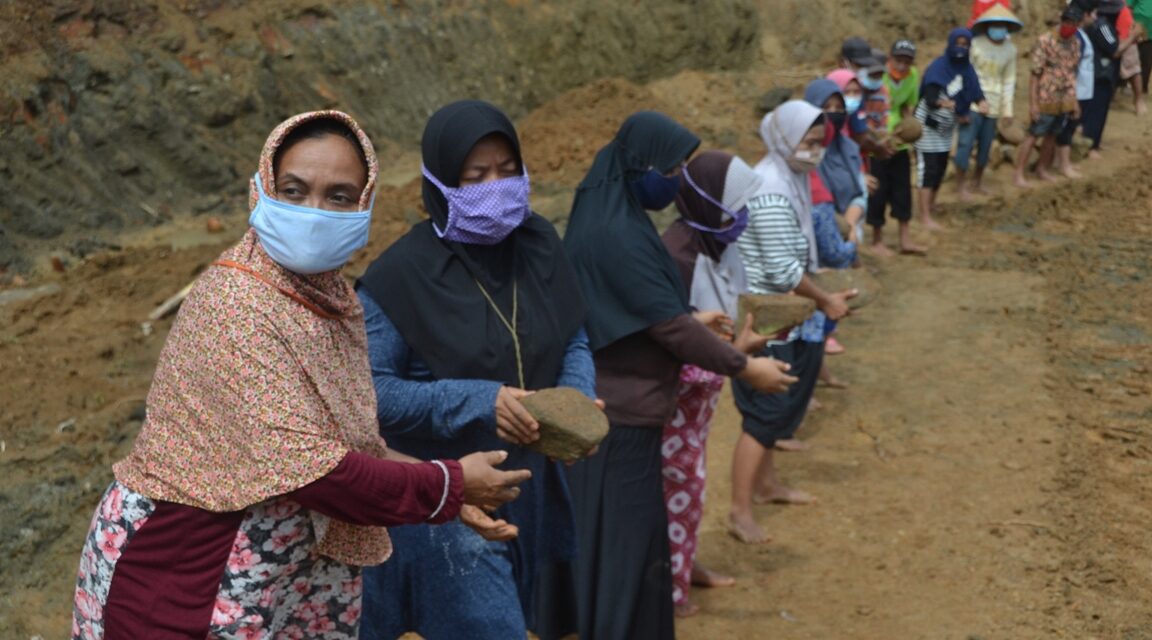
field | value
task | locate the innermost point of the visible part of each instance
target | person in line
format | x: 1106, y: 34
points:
x: 713, y: 206
x: 1142, y: 12
x: 994, y: 57
x: 1052, y: 90
x: 1085, y: 86
x: 867, y: 118
x: 839, y: 187
x: 949, y: 91
x: 641, y: 331
x: 1130, y: 69
x: 258, y: 485
x: 893, y: 176
x: 466, y: 314
x: 1105, y: 49
x: 779, y: 251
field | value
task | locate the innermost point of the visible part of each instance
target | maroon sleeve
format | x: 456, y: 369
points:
x: 369, y: 491
x: 694, y: 343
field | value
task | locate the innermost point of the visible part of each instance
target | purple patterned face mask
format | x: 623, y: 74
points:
x: 728, y: 234
x: 484, y: 213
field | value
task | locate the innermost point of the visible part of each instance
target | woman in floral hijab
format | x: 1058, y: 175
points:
x: 258, y: 485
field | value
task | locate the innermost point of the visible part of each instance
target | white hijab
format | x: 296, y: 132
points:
x: 782, y: 130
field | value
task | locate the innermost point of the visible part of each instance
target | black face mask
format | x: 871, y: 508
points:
x: 837, y: 118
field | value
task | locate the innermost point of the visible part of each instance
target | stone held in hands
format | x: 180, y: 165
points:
x: 772, y: 314
x: 570, y: 423
x: 837, y: 280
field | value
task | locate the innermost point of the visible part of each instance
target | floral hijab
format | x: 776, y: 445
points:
x: 263, y: 385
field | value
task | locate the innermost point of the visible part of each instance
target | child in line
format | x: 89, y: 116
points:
x: 893, y: 176
x: 948, y: 92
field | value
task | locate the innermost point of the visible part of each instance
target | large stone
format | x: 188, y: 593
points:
x: 836, y: 280
x: 570, y: 423
x: 772, y: 314
x: 908, y: 131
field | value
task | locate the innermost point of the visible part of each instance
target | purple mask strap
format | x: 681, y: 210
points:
x: 443, y: 191
x: 703, y: 194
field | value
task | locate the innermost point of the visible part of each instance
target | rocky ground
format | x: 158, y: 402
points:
x: 985, y: 476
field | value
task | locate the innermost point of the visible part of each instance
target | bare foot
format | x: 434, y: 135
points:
x: 931, y: 224
x: 705, y: 577
x: 792, y: 444
x: 881, y: 250
x: 964, y: 195
x: 685, y: 609
x: 912, y: 250
x: 1141, y: 108
x: 1094, y: 154
x: 784, y: 495
x: 1069, y: 172
x: 982, y: 190
x: 1021, y: 183
x: 1044, y: 175
x: 813, y: 405
x: 833, y: 383
x: 747, y: 530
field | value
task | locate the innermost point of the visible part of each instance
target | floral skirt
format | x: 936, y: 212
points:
x: 274, y: 584
x: 684, y: 469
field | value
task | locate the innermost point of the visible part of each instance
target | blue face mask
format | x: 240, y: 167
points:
x: 997, y: 34
x: 306, y: 240
x: 483, y: 213
x: 852, y: 104
x: 655, y: 190
x: 868, y: 82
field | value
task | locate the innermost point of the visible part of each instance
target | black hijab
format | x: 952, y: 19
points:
x: 428, y: 287
x: 629, y: 280
x: 709, y: 170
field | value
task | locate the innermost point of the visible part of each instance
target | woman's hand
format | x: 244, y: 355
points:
x: 717, y: 321
x: 513, y: 422
x: 487, y: 487
x: 835, y: 305
x: 488, y: 527
x: 748, y: 341
x: 767, y: 375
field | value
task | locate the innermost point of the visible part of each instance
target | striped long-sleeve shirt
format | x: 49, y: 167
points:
x: 774, y: 248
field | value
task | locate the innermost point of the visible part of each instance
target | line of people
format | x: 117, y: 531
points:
x: 293, y: 417
x: 254, y: 500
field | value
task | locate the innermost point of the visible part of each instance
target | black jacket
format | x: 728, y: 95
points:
x: 1105, y: 44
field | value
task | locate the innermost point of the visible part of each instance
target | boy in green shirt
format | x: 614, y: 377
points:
x: 894, y: 175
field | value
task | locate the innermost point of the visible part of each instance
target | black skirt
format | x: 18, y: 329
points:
x: 769, y: 417
x: 623, y: 568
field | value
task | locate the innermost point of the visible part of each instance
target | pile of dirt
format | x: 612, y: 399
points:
x: 125, y: 114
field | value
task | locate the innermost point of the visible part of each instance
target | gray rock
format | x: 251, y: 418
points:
x: 570, y: 424
x: 836, y: 280
x: 772, y: 314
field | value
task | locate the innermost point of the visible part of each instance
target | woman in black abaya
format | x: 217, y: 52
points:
x: 641, y: 330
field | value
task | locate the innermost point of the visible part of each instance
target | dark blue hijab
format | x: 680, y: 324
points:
x: 628, y: 278
x: 842, y: 163
x: 944, y: 70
